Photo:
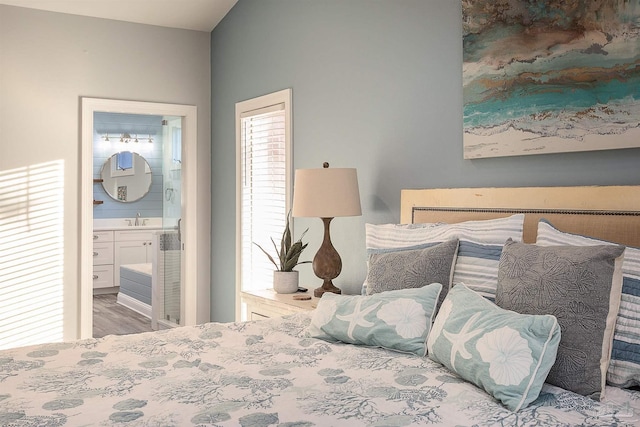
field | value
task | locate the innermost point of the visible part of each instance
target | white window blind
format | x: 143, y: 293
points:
x: 263, y: 162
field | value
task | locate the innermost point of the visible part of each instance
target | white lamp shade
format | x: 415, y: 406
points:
x: 326, y: 193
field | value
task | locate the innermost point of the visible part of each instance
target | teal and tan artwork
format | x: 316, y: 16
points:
x: 550, y: 76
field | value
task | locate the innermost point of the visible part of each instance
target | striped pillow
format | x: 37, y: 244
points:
x: 624, y: 368
x: 478, y: 254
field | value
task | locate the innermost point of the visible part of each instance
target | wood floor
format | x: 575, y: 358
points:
x: 111, y: 318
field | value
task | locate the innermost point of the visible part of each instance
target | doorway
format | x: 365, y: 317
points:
x: 181, y: 218
x: 137, y: 213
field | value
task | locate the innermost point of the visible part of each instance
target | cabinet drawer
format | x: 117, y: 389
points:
x: 262, y: 311
x: 103, y: 253
x: 127, y: 236
x: 103, y: 276
x: 256, y: 316
x: 102, y: 236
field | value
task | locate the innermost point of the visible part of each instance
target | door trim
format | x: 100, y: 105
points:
x: 192, y: 291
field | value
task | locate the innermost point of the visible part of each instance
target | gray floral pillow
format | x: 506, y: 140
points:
x: 415, y: 268
x: 581, y: 287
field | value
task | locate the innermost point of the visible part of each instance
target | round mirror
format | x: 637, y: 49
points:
x: 126, y: 176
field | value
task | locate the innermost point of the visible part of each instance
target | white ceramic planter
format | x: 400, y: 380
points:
x: 285, y: 282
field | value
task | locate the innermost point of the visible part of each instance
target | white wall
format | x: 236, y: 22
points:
x: 48, y: 61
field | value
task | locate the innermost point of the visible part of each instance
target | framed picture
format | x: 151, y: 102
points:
x: 550, y: 76
x: 122, y: 193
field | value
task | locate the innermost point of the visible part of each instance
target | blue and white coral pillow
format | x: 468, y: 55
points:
x: 479, y: 251
x: 624, y: 367
x: 397, y: 320
x: 505, y: 353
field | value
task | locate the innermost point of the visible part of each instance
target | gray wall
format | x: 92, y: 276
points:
x: 48, y: 61
x: 376, y: 86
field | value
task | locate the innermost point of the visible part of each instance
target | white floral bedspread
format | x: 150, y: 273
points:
x: 262, y: 374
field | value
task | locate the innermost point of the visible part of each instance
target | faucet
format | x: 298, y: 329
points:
x: 137, y: 219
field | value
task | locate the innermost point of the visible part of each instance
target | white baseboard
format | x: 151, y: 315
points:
x: 134, y: 304
x: 104, y: 291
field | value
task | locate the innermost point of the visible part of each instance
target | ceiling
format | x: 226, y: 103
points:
x: 199, y: 15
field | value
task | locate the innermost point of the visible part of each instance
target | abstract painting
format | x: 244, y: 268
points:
x: 544, y: 76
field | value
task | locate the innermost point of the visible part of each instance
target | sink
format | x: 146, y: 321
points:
x: 123, y: 223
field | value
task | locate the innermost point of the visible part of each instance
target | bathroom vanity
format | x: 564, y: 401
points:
x: 116, y: 243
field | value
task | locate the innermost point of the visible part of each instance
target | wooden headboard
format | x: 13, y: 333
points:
x: 607, y: 212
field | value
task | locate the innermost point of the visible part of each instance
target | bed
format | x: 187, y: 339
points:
x: 301, y: 370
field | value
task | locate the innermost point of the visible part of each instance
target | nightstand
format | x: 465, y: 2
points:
x: 267, y: 303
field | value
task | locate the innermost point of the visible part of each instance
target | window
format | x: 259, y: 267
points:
x: 263, y: 135
x: 123, y: 164
x: 124, y: 160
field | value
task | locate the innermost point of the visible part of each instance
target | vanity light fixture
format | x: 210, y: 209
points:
x: 126, y: 138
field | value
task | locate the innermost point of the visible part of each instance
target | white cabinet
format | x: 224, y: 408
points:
x: 114, y: 248
x: 103, y: 259
x: 102, y: 276
x: 103, y: 253
x: 132, y: 247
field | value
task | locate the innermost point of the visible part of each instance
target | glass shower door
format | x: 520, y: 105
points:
x: 168, y: 300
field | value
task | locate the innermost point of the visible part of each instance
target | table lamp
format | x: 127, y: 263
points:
x: 326, y: 193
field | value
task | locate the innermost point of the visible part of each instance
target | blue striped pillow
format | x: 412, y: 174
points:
x: 479, y: 252
x: 624, y: 368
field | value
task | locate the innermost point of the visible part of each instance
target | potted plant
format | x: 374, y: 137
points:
x: 285, y: 278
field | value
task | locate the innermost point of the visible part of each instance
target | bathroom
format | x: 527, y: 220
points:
x: 136, y: 216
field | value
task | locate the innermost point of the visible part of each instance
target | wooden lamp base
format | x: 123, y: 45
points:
x: 327, y: 264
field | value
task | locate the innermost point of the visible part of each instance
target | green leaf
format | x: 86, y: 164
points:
x: 289, y: 254
x: 280, y: 255
x: 287, y: 236
x: 267, y: 254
